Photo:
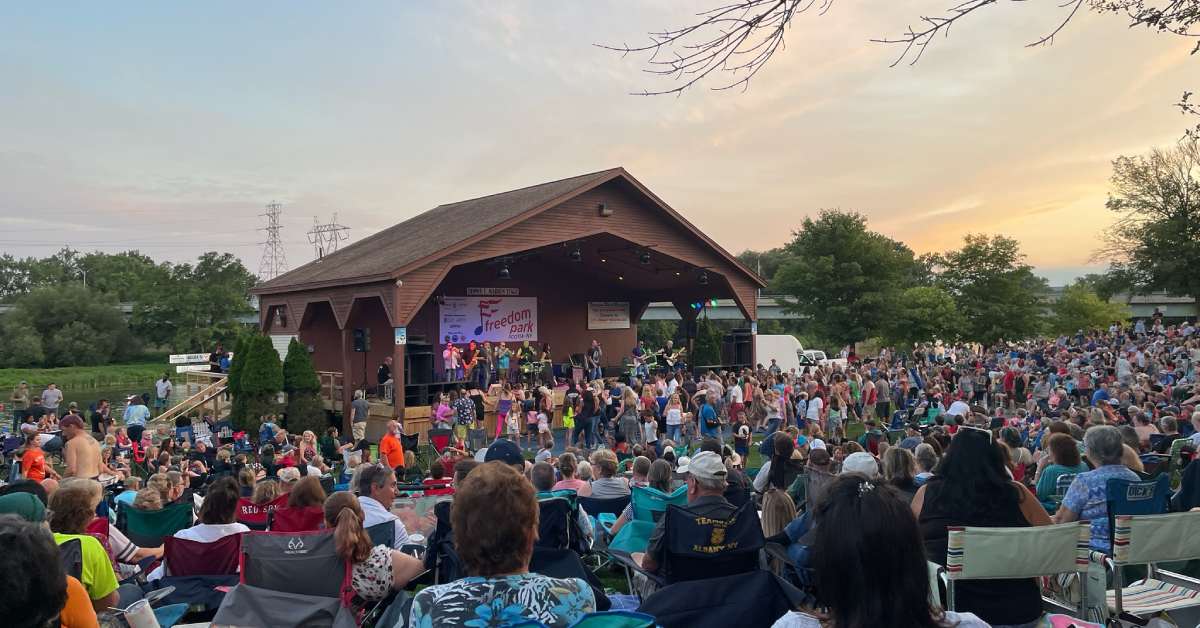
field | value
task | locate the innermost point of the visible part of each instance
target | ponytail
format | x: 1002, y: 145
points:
x: 353, y: 544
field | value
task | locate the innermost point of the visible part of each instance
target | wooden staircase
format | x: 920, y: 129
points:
x: 211, y: 394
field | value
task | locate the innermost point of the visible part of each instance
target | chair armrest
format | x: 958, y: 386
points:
x: 1172, y: 577
x: 627, y: 561
x: 778, y: 552
x: 1104, y: 560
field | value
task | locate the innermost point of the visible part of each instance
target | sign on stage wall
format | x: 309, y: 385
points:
x: 494, y: 318
x: 493, y: 292
x: 608, y: 315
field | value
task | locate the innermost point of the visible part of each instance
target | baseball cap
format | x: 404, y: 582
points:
x: 542, y: 456
x: 684, y: 461
x: 505, y: 451
x: 707, y: 466
x: 71, y: 420
x: 860, y: 462
x: 816, y: 444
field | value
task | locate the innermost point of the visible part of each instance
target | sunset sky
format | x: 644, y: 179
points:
x: 167, y: 126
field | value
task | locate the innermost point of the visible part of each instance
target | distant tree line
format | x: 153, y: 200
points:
x: 65, y: 306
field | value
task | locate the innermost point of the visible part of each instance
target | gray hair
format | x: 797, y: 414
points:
x: 926, y: 457
x: 1104, y: 445
x: 714, y: 485
x: 584, y: 472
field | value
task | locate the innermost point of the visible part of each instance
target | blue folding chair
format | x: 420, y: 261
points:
x: 188, y: 433
x: 1127, y: 497
x: 648, y: 507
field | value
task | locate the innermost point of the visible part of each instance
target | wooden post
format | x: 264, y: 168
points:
x: 347, y: 393
x: 398, y: 379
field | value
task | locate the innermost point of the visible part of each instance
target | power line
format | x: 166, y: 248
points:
x: 273, y: 263
x: 326, y: 237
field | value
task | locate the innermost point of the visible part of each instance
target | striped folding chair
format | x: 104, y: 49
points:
x: 995, y: 553
x: 1148, y: 540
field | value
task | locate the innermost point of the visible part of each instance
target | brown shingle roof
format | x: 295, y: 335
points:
x: 425, y: 234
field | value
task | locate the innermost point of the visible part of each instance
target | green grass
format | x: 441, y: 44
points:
x: 83, y: 377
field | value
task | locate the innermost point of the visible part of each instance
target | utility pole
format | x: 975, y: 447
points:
x: 326, y: 237
x: 273, y: 261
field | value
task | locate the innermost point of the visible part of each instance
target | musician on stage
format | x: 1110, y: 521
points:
x: 451, y: 361
x: 526, y: 356
x: 546, y: 368
x: 670, y: 357
x: 470, y: 360
x: 639, y: 360
x: 591, y: 359
x: 487, y: 361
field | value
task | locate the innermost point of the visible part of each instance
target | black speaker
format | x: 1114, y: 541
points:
x: 362, y: 339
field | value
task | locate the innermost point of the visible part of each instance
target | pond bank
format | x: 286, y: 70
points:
x: 139, y: 375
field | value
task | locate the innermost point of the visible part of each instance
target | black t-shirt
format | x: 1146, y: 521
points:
x: 384, y: 373
x: 36, y: 411
x: 214, y: 361
x: 477, y: 399
x: 589, y: 404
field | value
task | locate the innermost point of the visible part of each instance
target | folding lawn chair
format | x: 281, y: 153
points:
x: 648, y: 506
x: 439, y: 439
x: 70, y: 554
x: 1148, y: 540
x: 564, y: 563
x: 147, y: 528
x: 412, y: 442
x: 307, y: 519
x: 757, y: 598
x: 477, y: 439
x: 286, y: 581
x: 1031, y: 552
x: 383, y: 533
x: 255, y: 516
x: 196, y: 570
x: 558, y: 522
x: 1126, y: 497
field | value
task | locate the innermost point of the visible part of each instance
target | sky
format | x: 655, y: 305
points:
x: 167, y: 127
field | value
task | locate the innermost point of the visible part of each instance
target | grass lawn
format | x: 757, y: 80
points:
x: 82, y: 377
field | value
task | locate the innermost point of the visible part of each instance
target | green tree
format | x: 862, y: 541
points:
x: 995, y: 290
x: 198, y: 306
x: 708, y: 343
x: 1156, y: 240
x: 74, y: 326
x: 922, y: 314
x: 305, y: 411
x: 1080, y: 307
x: 656, y: 333
x: 765, y: 263
x: 843, y: 277
x: 258, y: 383
x: 20, y: 345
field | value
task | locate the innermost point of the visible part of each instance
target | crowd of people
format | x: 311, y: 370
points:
x: 1012, y: 435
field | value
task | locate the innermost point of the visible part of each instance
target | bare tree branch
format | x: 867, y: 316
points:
x: 738, y: 38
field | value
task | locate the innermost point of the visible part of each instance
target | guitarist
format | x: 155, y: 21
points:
x: 669, y: 356
x: 591, y: 360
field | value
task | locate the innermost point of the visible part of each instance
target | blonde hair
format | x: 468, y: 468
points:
x: 265, y: 491
x: 148, y: 499
x: 778, y: 510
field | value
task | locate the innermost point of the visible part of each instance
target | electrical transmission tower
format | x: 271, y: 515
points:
x: 325, y: 237
x: 273, y: 263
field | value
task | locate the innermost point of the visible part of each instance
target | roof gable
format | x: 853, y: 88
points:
x: 449, y: 227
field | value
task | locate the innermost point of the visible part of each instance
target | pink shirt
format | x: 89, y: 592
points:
x: 583, y: 489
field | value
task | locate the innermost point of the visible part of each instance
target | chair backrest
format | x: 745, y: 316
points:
x: 699, y: 547
x: 184, y: 557
x: 614, y: 506
x: 1155, y: 439
x: 294, y: 562
x: 410, y: 442
x: 989, y: 553
x: 254, y: 516
x: 1175, y: 460
x: 558, y: 526
x: 439, y: 439
x: 649, y: 503
x: 1156, y: 538
x: 1127, y: 497
x: 306, y: 519
x: 224, y: 431
x: 147, y: 528
x: 70, y: 554
x: 383, y: 533
x: 1061, y: 484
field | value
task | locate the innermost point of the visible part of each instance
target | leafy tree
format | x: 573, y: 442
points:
x: 995, y: 290
x: 656, y: 333
x: 198, y: 306
x: 765, y: 263
x: 20, y: 345
x: 1080, y: 307
x: 74, y: 326
x: 1156, y: 241
x: 305, y: 411
x: 923, y: 314
x: 258, y: 383
x: 708, y: 343
x: 842, y: 276
x: 1107, y: 285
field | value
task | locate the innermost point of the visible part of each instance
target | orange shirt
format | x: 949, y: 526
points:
x: 33, y: 464
x: 78, y: 612
x: 391, y: 449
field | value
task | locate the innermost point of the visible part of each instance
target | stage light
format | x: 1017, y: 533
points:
x: 677, y: 273
x: 644, y: 258
x: 620, y: 278
x: 504, y: 272
x: 703, y: 278
x: 603, y: 260
x: 576, y: 255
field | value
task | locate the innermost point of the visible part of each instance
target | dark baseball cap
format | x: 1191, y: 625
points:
x: 505, y: 451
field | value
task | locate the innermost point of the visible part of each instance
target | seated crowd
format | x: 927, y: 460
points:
x: 1009, y: 436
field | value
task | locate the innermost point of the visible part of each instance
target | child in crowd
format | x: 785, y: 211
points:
x: 545, y: 437
x: 650, y: 429
x: 442, y: 413
x: 690, y: 430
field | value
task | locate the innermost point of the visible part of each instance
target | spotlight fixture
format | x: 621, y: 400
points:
x: 703, y: 278
x: 620, y: 277
x: 504, y: 272
x: 644, y: 258
x: 677, y: 273
x: 603, y: 259
x: 575, y: 255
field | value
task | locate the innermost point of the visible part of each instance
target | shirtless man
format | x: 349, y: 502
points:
x: 82, y: 452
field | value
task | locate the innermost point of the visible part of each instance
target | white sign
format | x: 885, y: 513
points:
x: 187, y: 358
x: 191, y: 368
x: 401, y: 336
x: 493, y: 292
x: 608, y: 314
x: 495, y: 319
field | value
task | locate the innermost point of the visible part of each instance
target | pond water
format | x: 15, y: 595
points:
x: 116, y: 396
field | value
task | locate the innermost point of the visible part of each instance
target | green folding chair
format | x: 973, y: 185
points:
x: 146, y: 528
x: 648, y: 506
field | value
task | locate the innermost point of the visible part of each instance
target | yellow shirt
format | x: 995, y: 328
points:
x: 98, y: 576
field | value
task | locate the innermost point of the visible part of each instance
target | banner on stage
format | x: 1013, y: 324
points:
x: 608, y: 314
x: 490, y: 318
x: 493, y: 292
